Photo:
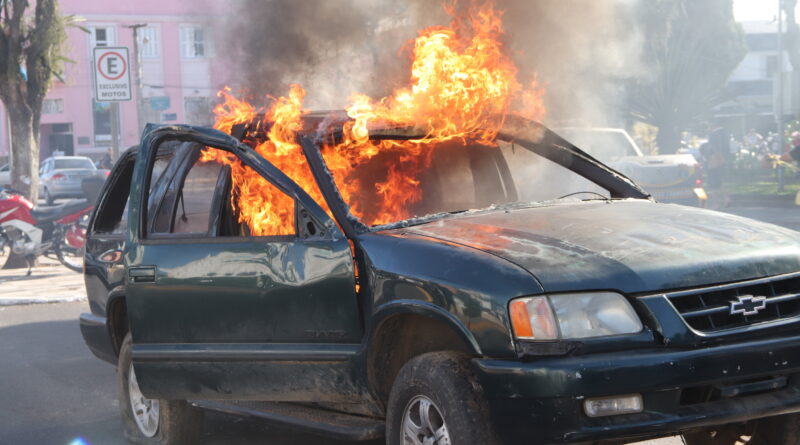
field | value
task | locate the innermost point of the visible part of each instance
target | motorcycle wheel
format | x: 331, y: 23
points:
x: 71, y: 257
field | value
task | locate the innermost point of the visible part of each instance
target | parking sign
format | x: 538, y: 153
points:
x: 112, y: 75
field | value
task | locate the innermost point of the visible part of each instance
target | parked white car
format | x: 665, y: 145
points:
x: 5, y: 175
x: 670, y: 178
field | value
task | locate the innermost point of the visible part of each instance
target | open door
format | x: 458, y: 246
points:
x: 216, y: 313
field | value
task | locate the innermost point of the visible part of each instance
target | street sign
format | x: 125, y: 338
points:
x: 159, y: 103
x: 112, y: 75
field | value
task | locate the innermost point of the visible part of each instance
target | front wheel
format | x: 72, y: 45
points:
x: 780, y: 430
x: 435, y: 400
x: 150, y: 421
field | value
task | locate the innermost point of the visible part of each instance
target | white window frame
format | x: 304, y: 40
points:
x: 111, y: 36
x: 152, y: 48
x: 188, y: 42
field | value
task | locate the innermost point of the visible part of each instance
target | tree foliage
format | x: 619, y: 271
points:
x: 31, y: 54
x: 691, y: 49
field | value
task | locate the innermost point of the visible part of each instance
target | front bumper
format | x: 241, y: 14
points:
x: 541, y: 401
x: 98, y: 337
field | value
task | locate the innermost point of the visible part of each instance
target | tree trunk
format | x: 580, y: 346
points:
x: 25, y: 155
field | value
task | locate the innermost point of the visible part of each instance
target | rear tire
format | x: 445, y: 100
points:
x: 175, y: 422
x: 780, y: 430
x: 442, y: 386
x: 71, y: 260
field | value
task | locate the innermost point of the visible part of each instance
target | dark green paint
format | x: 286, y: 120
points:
x: 279, y: 318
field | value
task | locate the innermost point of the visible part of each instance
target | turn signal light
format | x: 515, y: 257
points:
x: 532, y: 318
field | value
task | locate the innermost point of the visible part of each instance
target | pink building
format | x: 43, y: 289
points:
x: 179, y: 77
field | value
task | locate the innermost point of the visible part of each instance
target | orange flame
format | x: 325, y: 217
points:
x: 463, y: 84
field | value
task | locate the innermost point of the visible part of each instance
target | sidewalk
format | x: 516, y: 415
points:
x: 50, y: 282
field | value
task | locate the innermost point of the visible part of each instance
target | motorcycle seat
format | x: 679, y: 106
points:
x: 50, y: 214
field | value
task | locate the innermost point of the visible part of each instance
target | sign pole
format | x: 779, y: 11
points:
x: 115, y: 139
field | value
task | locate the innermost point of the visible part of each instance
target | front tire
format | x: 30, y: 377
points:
x: 780, y: 430
x: 436, y: 400
x: 149, y: 421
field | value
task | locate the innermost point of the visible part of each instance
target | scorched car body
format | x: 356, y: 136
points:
x: 333, y: 315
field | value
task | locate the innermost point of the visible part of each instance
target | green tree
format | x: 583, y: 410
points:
x: 31, y: 54
x: 691, y: 47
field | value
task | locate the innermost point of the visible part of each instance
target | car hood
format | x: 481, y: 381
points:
x: 632, y: 246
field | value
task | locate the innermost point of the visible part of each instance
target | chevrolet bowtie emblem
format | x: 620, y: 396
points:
x: 748, y: 305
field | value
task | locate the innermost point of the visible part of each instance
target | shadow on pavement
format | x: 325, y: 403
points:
x: 55, y: 391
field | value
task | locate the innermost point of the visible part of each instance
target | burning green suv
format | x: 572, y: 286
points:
x: 542, y: 298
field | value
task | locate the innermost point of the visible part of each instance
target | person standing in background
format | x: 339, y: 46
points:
x: 716, y: 153
x: 107, y: 161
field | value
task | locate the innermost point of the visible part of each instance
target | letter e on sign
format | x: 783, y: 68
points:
x: 112, y: 77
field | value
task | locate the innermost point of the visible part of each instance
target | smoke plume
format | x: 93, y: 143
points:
x: 581, y: 50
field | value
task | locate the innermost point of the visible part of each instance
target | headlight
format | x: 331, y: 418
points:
x: 571, y: 316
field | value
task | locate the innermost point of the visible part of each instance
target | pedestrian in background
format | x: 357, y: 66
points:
x: 716, y: 154
x: 107, y: 162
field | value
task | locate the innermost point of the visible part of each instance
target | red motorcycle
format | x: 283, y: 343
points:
x: 31, y: 231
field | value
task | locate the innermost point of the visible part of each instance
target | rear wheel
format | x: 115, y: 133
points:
x: 71, y: 244
x: 71, y: 258
x: 435, y: 400
x: 781, y: 430
x: 150, y: 421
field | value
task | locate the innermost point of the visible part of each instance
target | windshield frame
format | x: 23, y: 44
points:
x: 526, y: 133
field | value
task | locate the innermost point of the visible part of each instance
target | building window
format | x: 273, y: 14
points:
x: 149, y: 42
x: 53, y: 106
x: 196, y: 42
x: 100, y: 36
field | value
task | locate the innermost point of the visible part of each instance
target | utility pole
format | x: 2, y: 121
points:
x: 779, y: 101
x: 138, y: 73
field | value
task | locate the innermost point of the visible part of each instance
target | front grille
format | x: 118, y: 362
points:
x: 709, y: 310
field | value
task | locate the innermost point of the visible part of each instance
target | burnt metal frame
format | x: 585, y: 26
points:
x: 550, y: 146
x: 154, y: 135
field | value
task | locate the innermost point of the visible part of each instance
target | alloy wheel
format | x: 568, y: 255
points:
x: 423, y: 424
x: 145, y: 411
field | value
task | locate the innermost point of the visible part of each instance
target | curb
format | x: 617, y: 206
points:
x: 31, y: 301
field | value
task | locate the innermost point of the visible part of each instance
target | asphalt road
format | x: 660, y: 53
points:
x: 54, y: 391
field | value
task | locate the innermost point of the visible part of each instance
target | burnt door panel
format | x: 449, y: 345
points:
x: 247, y: 291
x: 238, y: 316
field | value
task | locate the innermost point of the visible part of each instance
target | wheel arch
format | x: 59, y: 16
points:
x: 402, y: 330
x: 117, y: 317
